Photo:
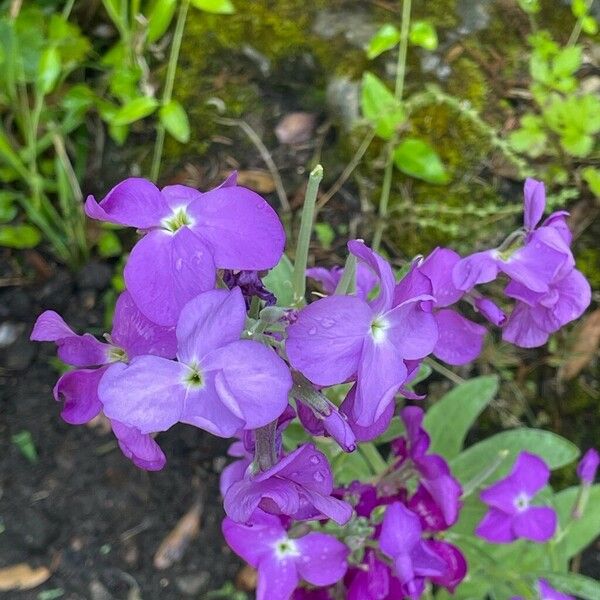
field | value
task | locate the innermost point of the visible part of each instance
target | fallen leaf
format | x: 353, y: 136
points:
x: 246, y: 579
x: 173, y: 547
x: 257, y: 180
x: 585, y: 347
x: 22, y: 577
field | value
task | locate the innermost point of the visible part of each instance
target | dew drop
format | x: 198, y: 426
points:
x: 314, y: 459
x: 179, y: 264
x: 327, y: 323
x: 318, y: 476
x: 312, y: 331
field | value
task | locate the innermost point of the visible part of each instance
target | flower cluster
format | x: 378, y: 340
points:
x: 198, y: 339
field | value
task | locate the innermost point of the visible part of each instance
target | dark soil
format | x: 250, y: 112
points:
x: 82, y: 509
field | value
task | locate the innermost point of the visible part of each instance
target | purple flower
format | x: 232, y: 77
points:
x: 374, y: 581
x: 132, y: 335
x: 282, y: 561
x: 219, y: 383
x: 533, y: 257
x: 299, y: 485
x: 250, y: 284
x: 341, y: 338
x: 456, y: 565
x: 187, y: 235
x: 547, y: 592
x: 511, y: 515
x: 588, y: 466
x: 330, y: 422
x: 539, y: 314
x: 366, y: 280
x: 401, y: 540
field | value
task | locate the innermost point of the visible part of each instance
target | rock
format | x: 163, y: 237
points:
x: 99, y: 592
x: 95, y: 276
x: 296, y: 128
x: 355, y: 25
x: 343, y: 101
x: 192, y: 584
x: 17, y: 304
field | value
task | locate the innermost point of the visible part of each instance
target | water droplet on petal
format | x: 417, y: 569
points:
x: 179, y: 264
x: 312, y: 331
x: 318, y: 476
x: 314, y: 459
x: 327, y: 323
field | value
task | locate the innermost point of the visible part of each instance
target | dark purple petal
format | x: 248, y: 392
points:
x: 137, y: 335
x: 328, y: 278
x: 141, y: 449
x: 372, y: 582
x: 535, y: 202
x: 426, y: 562
x: 459, y: 340
x: 79, y: 392
x: 456, y: 565
x: 240, y: 228
x: 134, y: 202
x: 417, y: 437
x: 588, y: 466
x: 438, y: 267
x: 496, y: 527
x: 323, y: 559
x: 165, y: 271
x: 422, y: 503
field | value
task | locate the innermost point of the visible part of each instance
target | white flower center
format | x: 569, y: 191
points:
x: 285, y: 548
x: 178, y: 219
x: 378, y: 328
x: 522, y: 502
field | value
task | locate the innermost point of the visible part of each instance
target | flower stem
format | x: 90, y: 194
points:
x: 265, y: 455
x: 347, y: 284
x: 306, y: 226
x: 168, y: 89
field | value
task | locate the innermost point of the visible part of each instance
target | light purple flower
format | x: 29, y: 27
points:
x: 342, y: 338
x: 187, y: 235
x: 132, y: 334
x: 588, y: 466
x: 219, y: 383
x: 330, y: 422
x: 366, y: 280
x: 511, y: 515
x: 547, y: 592
x: 299, y: 485
x: 538, y: 314
x: 401, y: 540
x: 282, y: 561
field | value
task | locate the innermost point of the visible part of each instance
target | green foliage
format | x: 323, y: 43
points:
x: 24, y: 442
x: 380, y: 107
x: 385, y: 39
x: 220, y: 7
x: 418, y: 159
x: 572, y: 583
x: 19, y: 236
x: 279, y: 281
x: 175, y: 121
x: 423, y: 33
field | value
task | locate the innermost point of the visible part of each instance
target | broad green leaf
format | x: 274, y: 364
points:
x: 159, y: 18
x: 460, y: 407
x: 220, y: 7
x: 134, y: 111
x: 567, y: 61
x: 579, y: 8
x: 118, y: 133
x: 591, y: 176
x: 350, y: 466
x: 8, y: 210
x: 418, y: 159
x: 48, y: 70
x: 279, y: 281
x: 555, y: 450
x: 589, y: 25
x: 579, y: 533
x: 175, y: 121
x: 385, y: 39
x: 573, y: 583
x: 380, y: 107
x: 19, y: 236
x: 394, y: 431
x: 423, y: 33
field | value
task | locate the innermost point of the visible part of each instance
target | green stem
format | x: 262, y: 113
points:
x: 347, y: 284
x: 169, y: 83
x: 306, y: 226
x: 372, y: 456
x: 66, y: 13
x: 442, y: 370
x: 578, y: 25
x: 398, y: 91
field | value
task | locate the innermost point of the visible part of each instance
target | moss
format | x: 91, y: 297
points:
x: 588, y: 262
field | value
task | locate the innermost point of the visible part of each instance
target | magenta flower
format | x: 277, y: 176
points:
x: 132, y: 335
x: 187, y: 235
x: 413, y: 558
x: 282, y: 561
x: 511, y: 515
x: 534, y: 258
x: 588, y: 466
x: 374, y: 580
x: 329, y: 421
x: 539, y: 314
x: 547, y: 592
x: 342, y: 338
x: 366, y: 280
x: 299, y: 485
x: 219, y: 383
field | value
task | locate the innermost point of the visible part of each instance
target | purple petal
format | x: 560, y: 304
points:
x: 417, y: 437
x: 522, y: 330
x: 547, y: 592
x: 575, y: 296
x: 537, y: 523
x: 209, y: 321
x: 480, y: 267
x: 438, y: 267
x: 588, y: 466
x: 307, y: 467
x: 323, y: 558
x: 148, y: 394
x: 50, y: 327
x: 325, y: 342
x: 79, y: 392
x: 328, y: 278
x: 426, y: 562
x: 277, y: 578
x: 134, y: 202
x: 137, y: 335
x: 400, y: 531
x: 165, y: 271
x: 557, y: 220
x: 254, y: 540
x: 490, y: 311
x: 141, y: 449
x: 456, y: 565
x: 179, y: 196
x: 327, y: 506
x: 380, y: 375
x: 382, y: 270
x: 460, y: 340
x: 412, y: 330
x: 339, y: 429
x: 413, y: 284
x: 370, y: 432
x: 232, y: 474
x: 253, y: 382
x: 373, y: 582
x: 496, y: 527
x: 240, y: 228
x: 535, y: 202
x: 422, y: 503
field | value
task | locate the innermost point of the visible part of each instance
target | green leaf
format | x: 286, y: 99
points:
x: 385, y: 39
x: 589, y: 25
x: 567, y: 61
x: 573, y: 583
x: 591, y: 176
x: 530, y: 6
x: 555, y: 450
x: 19, y: 236
x: 113, y: 8
x: 579, y: 8
x: 159, y: 18
x: 350, y: 466
x: 220, y: 7
x: 109, y: 244
x: 325, y: 234
x: 423, y: 33
x: 8, y: 210
x: 380, y: 107
x: 418, y: 159
x: 134, y: 111
x: 175, y: 121
x: 579, y: 533
x: 461, y: 407
x: 24, y: 442
x: 48, y: 70
x: 279, y: 281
